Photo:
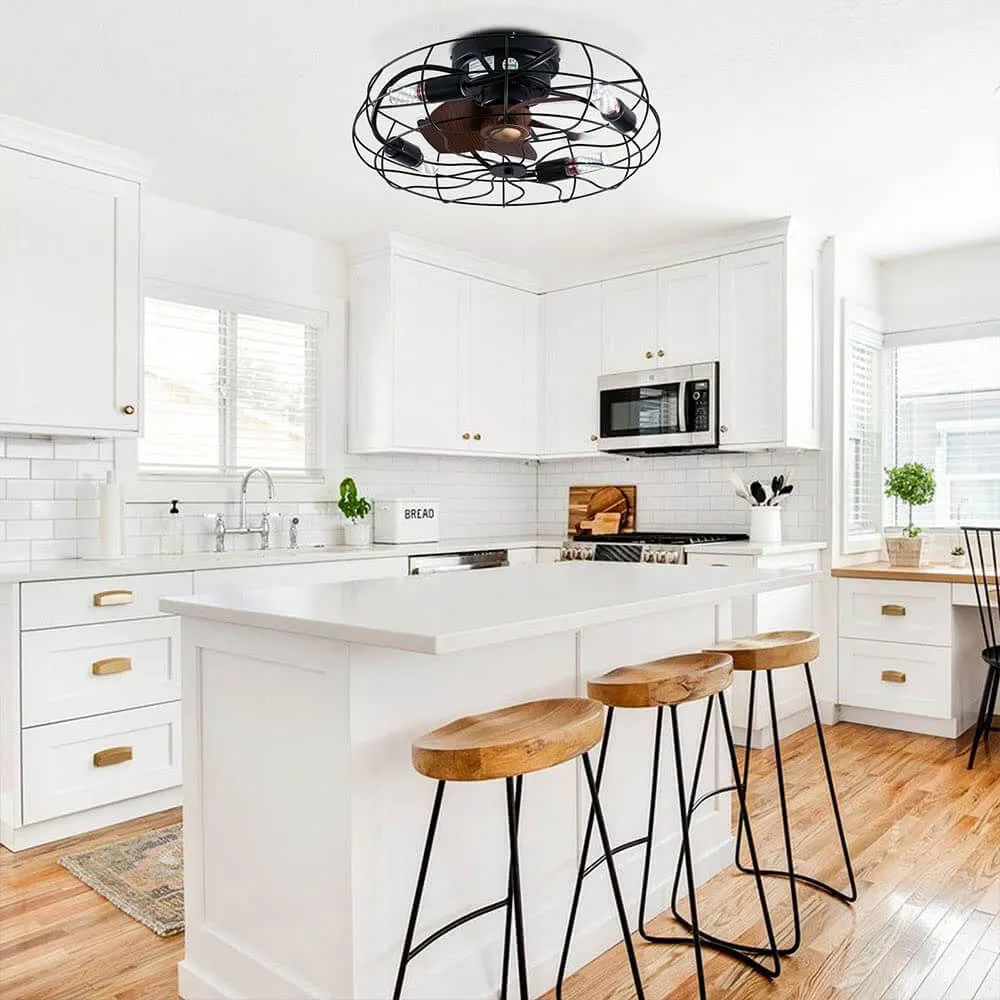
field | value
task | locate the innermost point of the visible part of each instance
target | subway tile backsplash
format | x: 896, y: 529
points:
x: 48, y: 497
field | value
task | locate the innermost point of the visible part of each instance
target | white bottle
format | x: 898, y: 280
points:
x: 111, y: 526
x: 172, y: 543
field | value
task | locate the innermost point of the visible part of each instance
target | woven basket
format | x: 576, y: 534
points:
x: 904, y: 552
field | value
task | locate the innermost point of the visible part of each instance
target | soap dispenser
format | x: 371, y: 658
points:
x: 172, y: 543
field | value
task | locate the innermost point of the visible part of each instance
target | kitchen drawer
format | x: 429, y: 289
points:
x: 964, y: 595
x: 57, y: 603
x: 731, y: 561
x: 68, y: 673
x: 59, y: 763
x: 896, y: 677
x: 896, y: 611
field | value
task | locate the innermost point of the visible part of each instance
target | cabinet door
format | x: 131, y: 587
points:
x: 498, y: 370
x: 751, y: 349
x: 687, y: 313
x: 629, y: 323
x: 572, y: 364
x: 430, y: 306
x: 69, y: 298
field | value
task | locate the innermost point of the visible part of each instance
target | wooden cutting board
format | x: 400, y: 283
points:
x: 586, y: 502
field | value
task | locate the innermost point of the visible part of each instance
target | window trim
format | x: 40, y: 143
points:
x: 860, y: 325
x: 144, y: 487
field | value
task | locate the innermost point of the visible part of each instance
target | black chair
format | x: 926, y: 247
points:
x: 982, y: 545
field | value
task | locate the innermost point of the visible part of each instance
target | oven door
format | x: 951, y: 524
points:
x: 660, y: 410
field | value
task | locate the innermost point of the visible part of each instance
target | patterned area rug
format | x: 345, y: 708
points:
x: 143, y: 876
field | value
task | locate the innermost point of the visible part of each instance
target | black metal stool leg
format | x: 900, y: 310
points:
x: 583, y: 870
x: 743, y: 952
x: 421, y: 880
x: 510, y: 901
x: 613, y: 877
x: 515, y: 888
x: 746, y: 770
x: 987, y: 706
x: 686, y: 852
x: 654, y: 786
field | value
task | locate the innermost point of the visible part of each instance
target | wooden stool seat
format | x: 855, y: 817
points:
x: 672, y: 680
x: 510, y: 741
x: 771, y: 650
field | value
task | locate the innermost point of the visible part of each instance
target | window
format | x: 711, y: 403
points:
x: 943, y: 409
x: 862, y: 437
x: 226, y: 389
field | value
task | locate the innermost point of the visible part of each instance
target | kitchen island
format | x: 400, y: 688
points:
x: 304, y: 819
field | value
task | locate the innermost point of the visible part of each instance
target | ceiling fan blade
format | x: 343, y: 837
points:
x: 549, y: 127
x: 521, y: 149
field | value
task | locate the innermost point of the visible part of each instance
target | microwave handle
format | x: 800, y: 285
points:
x: 682, y: 404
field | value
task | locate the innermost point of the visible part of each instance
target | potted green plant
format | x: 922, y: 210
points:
x: 355, y: 510
x: 913, y: 483
x: 958, y: 556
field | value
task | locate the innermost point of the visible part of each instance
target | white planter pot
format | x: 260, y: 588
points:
x: 765, y: 525
x: 958, y: 562
x: 357, y: 534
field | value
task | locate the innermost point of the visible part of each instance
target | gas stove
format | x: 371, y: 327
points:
x: 662, y: 547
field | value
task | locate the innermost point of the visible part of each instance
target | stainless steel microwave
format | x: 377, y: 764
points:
x: 660, y: 410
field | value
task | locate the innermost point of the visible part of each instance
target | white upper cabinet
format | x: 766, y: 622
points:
x: 441, y: 361
x: 571, y: 349
x: 687, y: 313
x: 628, y: 323
x: 70, y: 304
x: 768, y: 350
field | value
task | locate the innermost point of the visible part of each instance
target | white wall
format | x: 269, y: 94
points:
x: 945, y: 288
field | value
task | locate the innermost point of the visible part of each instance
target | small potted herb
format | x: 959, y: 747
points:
x: 913, y: 483
x: 355, y: 510
x: 958, y: 556
x: 765, y: 508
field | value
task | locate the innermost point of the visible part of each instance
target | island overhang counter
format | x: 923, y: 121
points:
x: 304, y: 820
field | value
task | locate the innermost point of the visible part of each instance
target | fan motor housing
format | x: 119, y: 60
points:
x: 527, y: 61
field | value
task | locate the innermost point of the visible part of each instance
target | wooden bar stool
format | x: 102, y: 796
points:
x: 667, y: 683
x: 767, y: 652
x: 508, y: 744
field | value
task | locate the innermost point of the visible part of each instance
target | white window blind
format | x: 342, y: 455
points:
x: 225, y: 390
x: 862, y: 435
x: 944, y: 411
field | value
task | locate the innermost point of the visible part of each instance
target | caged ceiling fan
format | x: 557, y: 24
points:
x: 507, y: 117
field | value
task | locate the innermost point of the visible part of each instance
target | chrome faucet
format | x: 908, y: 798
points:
x: 263, y: 529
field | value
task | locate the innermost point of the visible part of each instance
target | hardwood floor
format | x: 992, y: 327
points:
x: 924, y: 833
x: 60, y: 940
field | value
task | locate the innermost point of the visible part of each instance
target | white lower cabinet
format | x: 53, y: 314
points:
x: 71, y: 766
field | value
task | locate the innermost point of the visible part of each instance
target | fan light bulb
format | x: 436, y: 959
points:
x: 567, y: 168
x: 406, y: 154
x: 433, y: 90
x: 612, y: 110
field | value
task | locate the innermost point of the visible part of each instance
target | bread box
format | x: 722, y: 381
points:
x: 407, y: 520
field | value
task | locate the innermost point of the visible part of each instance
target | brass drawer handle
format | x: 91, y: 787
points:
x: 111, y: 756
x: 894, y: 610
x: 112, y: 665
x: 894, y: 676
x: 108, y: 598
x: 128, y: 409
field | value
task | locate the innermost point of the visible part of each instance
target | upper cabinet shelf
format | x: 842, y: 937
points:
x: 441, y: 361
x: 70, y: 299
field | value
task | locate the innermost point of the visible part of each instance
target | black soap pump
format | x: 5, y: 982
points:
x: 172, y: 543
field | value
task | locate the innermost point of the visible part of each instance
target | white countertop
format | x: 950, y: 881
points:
x: 74, y: 569
x: 452, y: 612
x: 755, y: 548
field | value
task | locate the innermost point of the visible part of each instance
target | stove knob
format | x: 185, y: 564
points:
x: 647, y: 557
x: 673, y: 557
x: 590, y: 554
x: 661, y: 557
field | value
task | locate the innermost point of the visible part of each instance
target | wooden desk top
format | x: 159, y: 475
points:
x: 928, y: 573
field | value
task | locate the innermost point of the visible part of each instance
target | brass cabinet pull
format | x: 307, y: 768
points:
x: 111, y: 756
x: 649, y: 354
x: 894, y: 610
x: 593, y: 437
x: 894, y: 676
x: 660, y: 354
x: 112, y: 665
x: 108, y: 598
x: 128, y: 409
x: 477, y: 437
x: 466, y: 436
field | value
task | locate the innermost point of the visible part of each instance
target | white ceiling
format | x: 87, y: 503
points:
x: 875, y: 118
